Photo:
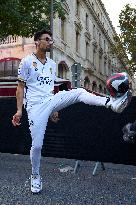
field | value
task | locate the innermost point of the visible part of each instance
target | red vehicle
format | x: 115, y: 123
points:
x: 8, y: 78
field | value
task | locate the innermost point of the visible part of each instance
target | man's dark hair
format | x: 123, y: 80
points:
x: 38, y: 34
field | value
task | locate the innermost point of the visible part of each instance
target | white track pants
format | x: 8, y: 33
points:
x: 38, y: 115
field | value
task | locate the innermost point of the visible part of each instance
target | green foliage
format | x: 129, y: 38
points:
x: 25, y: 17
x: 126, y: 41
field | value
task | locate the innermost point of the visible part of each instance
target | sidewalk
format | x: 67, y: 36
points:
x: 114, y: 186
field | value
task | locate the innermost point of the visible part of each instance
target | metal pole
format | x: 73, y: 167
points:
x: 51, y: 28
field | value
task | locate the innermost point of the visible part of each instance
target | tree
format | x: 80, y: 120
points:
x: 25, y: 17
x: 126, y: 41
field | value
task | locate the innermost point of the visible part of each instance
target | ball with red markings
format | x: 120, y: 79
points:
x: 117, y: 84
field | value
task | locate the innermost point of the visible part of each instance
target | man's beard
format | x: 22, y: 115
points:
x: 46, y: 50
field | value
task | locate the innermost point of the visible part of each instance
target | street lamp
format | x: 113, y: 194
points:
x: 51, y: 28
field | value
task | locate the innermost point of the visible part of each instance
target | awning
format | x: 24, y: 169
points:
x: 9, y: 59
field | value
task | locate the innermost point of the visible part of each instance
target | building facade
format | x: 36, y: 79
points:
x: 85, y: 37
x: 82, y: 45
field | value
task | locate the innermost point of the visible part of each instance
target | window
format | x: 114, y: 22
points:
x: 62, y: 70
x: 77, y: 8
x: 86, y: 83
x: 100, y: 40
x: 109, y: 68
x: 77, y: 41
x: 100, y: 88
x: 87, y: 50
x: 101, y: 16
x: 9, y: 68
x: 100, y: 64
x: 63, y: 29
x: 87, y: 21
x: 105, y: 90
x: 94, y: 57
x: 94, y: 86
x: 94, y: 31
x: 104, y: 46
x: 105, y: 68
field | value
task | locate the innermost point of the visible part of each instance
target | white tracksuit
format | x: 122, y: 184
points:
x: 41, y: 102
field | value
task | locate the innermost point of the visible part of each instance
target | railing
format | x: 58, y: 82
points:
x: 10, y: 40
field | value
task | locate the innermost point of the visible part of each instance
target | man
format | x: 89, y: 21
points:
x: 36, y: 75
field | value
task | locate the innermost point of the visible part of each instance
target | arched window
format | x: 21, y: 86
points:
x: 77, y: 7
x: 94, y: 86
x: 62, y: 70
x: 100, y: 88
x: 86, y: 83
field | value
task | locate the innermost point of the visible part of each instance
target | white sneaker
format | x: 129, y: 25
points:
x: 118, y: 104
x: 36, y: 183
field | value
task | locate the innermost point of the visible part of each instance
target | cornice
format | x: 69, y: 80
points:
x: 66, y: 7
x: 107, y: 15
x: 92, y: 11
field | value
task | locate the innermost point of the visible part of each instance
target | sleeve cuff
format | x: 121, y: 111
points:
x: 21, y: 80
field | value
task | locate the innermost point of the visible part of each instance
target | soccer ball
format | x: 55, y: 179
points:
x: 117, y: 84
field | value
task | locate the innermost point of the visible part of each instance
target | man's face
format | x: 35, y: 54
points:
x: 45, y: 42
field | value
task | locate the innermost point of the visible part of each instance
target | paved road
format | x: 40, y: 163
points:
x: 114, y: 186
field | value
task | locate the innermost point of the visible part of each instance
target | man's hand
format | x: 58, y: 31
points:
x: 55, y: 117
x: 16, y: 118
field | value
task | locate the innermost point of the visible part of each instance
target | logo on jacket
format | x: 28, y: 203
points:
x: 35, y: 66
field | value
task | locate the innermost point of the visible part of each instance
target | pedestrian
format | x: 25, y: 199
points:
x: 36, y: 76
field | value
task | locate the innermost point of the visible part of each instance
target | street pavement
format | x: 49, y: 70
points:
x: 116, y: 185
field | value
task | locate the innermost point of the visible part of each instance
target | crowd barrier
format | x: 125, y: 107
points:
x: 83, y: 132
